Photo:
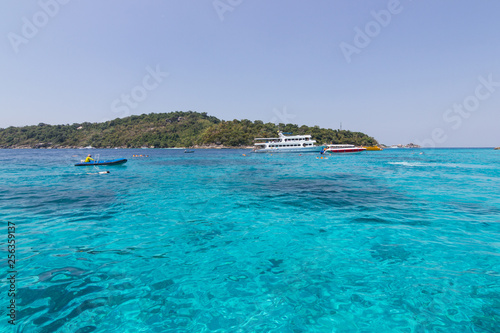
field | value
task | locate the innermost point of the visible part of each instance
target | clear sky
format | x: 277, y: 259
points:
x: 403, y: 71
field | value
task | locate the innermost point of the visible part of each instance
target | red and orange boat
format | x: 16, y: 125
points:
x: 343, y: 149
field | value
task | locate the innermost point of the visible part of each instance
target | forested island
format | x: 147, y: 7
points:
x: 166, y: 130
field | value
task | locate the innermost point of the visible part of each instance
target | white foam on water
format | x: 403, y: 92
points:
x: 445, y: 165
x: 410, y: 164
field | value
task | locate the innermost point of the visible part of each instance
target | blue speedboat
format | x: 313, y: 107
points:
x: 109, y: 162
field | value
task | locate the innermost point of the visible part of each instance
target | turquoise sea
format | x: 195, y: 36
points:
x: 214, y: 241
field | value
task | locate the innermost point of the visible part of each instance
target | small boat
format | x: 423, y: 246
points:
x: 373, y: 148
x: 287, y: 144
x: 343, y: 149
x: 109, y: 162
x: 187, y: 151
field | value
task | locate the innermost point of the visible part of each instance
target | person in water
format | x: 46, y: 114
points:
x: 89, y: 158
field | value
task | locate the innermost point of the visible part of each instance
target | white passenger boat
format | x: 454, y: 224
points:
x: 344, y: 149
x: 287, y: 144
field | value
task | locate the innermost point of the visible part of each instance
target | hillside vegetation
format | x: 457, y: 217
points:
x: 165, y: 130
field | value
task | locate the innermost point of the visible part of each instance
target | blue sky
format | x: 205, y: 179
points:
x: 403, y: 71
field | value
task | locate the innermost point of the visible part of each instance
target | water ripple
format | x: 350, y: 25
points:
x: 220, y: 242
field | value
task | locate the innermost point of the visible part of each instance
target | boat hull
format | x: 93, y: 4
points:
x: 315, y: 149
x: 110, y: 162
x: 345, y: 151
x: 374, y: 148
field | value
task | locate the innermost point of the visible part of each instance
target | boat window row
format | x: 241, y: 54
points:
x: 297, y: 139
x: 290, y: 145
x: 340, y: 146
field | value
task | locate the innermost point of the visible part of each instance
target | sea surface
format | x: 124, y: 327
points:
x: 401, y: 240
